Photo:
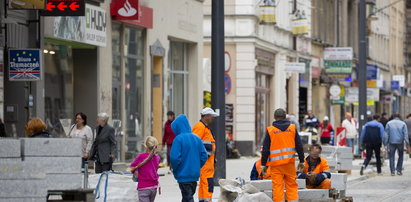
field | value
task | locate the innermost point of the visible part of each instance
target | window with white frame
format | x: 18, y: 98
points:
x: 178, y: 74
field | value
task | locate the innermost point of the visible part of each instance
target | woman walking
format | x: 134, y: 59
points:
x: 81, y: 130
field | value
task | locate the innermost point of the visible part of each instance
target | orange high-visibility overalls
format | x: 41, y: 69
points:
x: 281, y: 163
x: 320, y: 169
x: 206, y: 189
x: 258, y: 167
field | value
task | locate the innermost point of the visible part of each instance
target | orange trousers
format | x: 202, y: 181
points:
x: 326, y: 184
x: 206, y: 189
x: 284, y: 175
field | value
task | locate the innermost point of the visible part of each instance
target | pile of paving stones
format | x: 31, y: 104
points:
x: 31, y: 167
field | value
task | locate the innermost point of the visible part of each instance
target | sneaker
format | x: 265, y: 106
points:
x: 399, y: 173
x: 362, y: 170
x: 392, y: 174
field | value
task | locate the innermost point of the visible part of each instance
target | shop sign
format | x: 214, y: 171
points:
x: 372, y: 72
x: 64, y: 8
x: 352, y: 94
x: 344, y: 53
x: 337, y: 94
x: 27, y: 4
x: 395, y: 85
x: 338, y: 67
x: 267, y: 12
x: 24, y: 65
x: 400, y: 78
x: 296, y: 67
x: 96, y: 24
x: 125, y: 9
x: 304, y: 46
x: 316, y: 72
x: 300, y: 23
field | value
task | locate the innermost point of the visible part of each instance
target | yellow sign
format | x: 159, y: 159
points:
x: 369, y: 103
x: 267, y: 14
x: 300, y: 26
x: 27, y: 4
x: 371, y: 84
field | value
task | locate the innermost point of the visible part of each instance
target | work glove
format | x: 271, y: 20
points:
x: 263, y: 170
x: 301, y: 167
x: 311, y: 177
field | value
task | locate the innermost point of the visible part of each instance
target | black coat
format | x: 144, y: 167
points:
x: 104, y: 145
x: 43, y: 134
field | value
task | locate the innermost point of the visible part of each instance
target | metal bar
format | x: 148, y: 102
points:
x: 217, y: 85
x: 362, y: 66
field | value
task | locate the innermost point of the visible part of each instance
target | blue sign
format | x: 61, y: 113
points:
x: 24, y: 65
x: 372, y: 72
x: 395, y: 85
x: 227, y: 83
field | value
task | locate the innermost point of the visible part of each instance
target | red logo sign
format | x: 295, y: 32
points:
x: 125, y: 9
x: 64, y: 8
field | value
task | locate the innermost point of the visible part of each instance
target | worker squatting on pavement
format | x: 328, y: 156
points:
x: 206, y: 189
x: 280, y: 144
x: 316, y: 170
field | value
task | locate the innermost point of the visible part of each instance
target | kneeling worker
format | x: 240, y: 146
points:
x: 316, y: 171
x: 256, y: 172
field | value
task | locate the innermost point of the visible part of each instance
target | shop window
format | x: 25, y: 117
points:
x: 178, y: 74
x: 127, y: 86
x: 262, y: 106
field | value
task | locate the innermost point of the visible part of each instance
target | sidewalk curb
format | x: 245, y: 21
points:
x: 362, y: 178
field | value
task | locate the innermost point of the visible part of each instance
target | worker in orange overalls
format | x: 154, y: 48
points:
x: 280, y: 145
x: 256, y: 172
x: 316, y: 171
x: 205, y: 192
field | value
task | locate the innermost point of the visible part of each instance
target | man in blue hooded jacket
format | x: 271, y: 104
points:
x: 371, y: 137
x: 187, y: 157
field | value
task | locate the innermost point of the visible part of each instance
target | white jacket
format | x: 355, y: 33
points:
x: 351, y: 127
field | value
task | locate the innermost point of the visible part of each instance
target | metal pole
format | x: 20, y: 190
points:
x: 217, y: 86
x: 362, y: 66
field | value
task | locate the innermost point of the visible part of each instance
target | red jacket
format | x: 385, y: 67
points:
x: 169, y: 135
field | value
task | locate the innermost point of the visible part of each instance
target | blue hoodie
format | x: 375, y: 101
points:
x: 188, y: 154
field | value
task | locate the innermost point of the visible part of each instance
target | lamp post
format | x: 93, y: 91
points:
x: 217, y: 85
x: 362, y: 64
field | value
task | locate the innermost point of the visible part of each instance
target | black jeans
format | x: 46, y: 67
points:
x: 101, y: 167
x: 369, y: 149
x: 188, y: 189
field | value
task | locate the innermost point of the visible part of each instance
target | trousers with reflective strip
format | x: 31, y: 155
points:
x: 282, y: 147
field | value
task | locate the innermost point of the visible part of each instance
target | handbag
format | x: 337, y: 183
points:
x: 135, y: 169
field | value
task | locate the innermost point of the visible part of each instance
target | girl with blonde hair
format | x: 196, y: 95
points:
x: 146, y: 166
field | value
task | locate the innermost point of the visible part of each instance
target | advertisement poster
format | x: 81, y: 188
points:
x: 299, y: 23
x: 267, y: 12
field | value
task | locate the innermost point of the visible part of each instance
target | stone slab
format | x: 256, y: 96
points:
x: 301, y: 183
x: 9, y: 148
x: 307, y: 194
x: 14, y: 169
x: 56, y: 147
x: 64, y: 181
x: 339, y: 181
x: 262, y: 185
x: 57, y: 165
x: 30, y: 199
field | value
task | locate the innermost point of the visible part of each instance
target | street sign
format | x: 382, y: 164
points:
x: 400, y: 78
x: 125, y: 9
x: 24, y: 65
x: 297, y: 67
x: 227, y: 84
x: 335, y: 90
x: 64, y: 8
x: 395, y: 85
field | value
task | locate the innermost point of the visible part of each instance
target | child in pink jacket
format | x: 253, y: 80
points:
x: 146, y: 164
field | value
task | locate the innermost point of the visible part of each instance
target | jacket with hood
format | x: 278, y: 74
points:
x: 188, y: 154
x: 282, y: 125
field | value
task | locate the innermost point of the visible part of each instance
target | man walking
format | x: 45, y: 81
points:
x: 350, y: 125
x: 371, y: 138
x: 168, y: 136
x: 396, y: 133
x: 280, y: 145
x: 187, y: 157
x: 202, y: 129
x: 408, y: 123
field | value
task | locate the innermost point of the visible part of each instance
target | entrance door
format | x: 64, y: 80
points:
x: 157, y: 97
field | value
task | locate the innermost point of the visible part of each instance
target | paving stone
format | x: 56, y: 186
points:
x: 262, y: 184
x: 9, y: 148
x: 14, y: 169
x: 58, y: 165
x: 301, y: 183
x: 57, y: 147
x: 306, y: 194
x: 339, y: 181
x: 22, y: 188
x: 269, y: 193
x: 30, y: 199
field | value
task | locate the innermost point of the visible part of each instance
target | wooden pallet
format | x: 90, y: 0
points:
x: 348, y: 171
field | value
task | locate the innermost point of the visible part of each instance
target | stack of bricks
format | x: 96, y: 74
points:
x: 338, y: 182
x: 339, y: 158
x: 30, y: 167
